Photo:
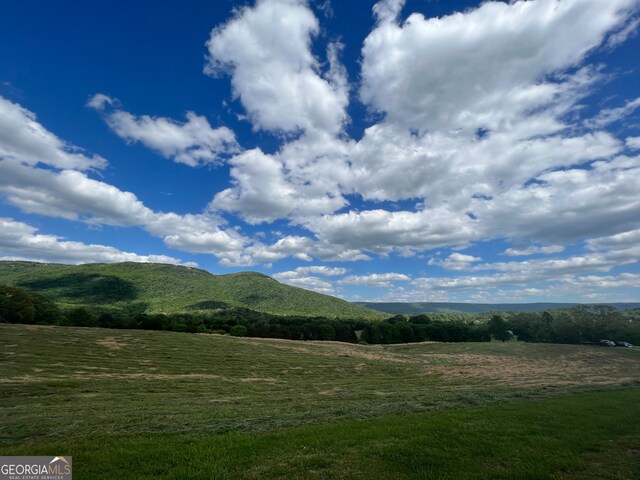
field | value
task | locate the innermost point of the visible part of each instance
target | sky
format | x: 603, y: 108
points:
x: 417, y: 150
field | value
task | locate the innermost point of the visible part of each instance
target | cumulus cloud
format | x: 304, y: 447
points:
x: 456, y: 261
x: 306, y: 277
x: 264, y: 191
x: 477, y: 132
x: 19, y: 240
x: 192, y: 143
x: 602, y: 201
x: 375, y: 279
x: 25, y: 140
x: 382, y: 231
x: 322, y: 270
x: 482, y: 67
x: 301, y: 278
x: 73, y: 195
x: 266, y: 50
x: 533, y: 250
x: 556, y: 272
x: 482, y: 138
x: 69, y: 194
x: 633, y: 143
x: 615, y: 242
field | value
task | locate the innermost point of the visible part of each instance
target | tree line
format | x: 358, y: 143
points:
x: 578, y: 324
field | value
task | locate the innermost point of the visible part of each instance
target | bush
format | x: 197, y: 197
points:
x: 238, y: 331
x: 326, y: 332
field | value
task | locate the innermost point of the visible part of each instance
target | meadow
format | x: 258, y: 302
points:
x: 147, y: 404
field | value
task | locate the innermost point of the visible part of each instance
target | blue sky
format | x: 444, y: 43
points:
x: 389, y: 151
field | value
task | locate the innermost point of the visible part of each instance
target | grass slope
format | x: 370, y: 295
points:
x: 417, y: 308
x: 142, y: 404
x: 140, y: 287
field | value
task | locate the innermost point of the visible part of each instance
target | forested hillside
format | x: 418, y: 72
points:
x: 159, y: 288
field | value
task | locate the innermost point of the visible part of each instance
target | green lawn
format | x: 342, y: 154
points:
x: 591, y: 435
x: 142, y: 404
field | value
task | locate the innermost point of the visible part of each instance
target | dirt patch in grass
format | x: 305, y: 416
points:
x: 331, y: 392
x: 111, y: 343
x: 82, y: 375
x: 34, y: 328
x: 225, y: 399
x: 259, y: 379
x: 578, y: 369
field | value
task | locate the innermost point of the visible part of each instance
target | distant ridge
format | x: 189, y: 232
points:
x: 443, y: 307
x: 161, y: 288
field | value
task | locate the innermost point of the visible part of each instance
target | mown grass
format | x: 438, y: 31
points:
x: 590, y: 435
x: 140, y: 287
x: 143, y: 404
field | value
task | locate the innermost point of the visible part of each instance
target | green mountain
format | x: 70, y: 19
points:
x: 417, y: 308
x: 155, y: 288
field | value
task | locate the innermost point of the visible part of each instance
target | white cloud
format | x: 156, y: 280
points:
x: 482, y: 67
x: 375, y: 279
x: 198, y: 233
x: 516, y: 86
x: 611, y: 115
x: 456, y: 261
x: 382, y: 231
x: 533, y: 250
x: 462, y: 258
x: 304, y: 277
x: 193, y: 142
x: 387, y: 11
x: 627, y: 31
x: 25, y: 140
x: 266, y: 49
x: 322, y: 270
x: 479, y: 137
x: 69, y: 194
x: 592, y: 282
x: 526, y: 273
x: 568, y: 205
x: 21, y: 241
x: 100, y: 101
x: 298, y: 278
x: 615, y: 242
x: 74, y: 196
x: 633, y: 143
x: 265, y: 190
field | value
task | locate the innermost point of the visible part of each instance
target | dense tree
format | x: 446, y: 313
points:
x: 499, y: 328
x: 574, y: 325
x: 421, y: 319
x: 238, y: 331
x: 326, y: 332
x: 81, y: 317
x: 16, y: 305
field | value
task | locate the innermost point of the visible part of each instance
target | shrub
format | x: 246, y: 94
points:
x: 238, y: 331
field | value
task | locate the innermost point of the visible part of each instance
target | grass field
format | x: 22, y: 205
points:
x: 143, y: 404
